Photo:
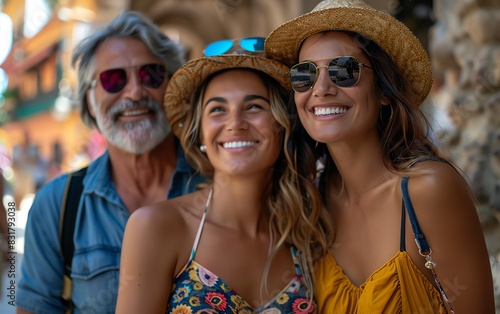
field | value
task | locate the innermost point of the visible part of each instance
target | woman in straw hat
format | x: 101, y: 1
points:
x: 359, y: 77
x: 244, y: 243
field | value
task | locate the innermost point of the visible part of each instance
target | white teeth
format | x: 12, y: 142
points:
x: 238, y: 144
x: 136, y: 112
x: 328, y: 111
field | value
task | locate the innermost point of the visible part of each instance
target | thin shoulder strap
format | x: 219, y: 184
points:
x: 402, y: 237
x: 296, y: 260
x: 200, y: 227
x: 422, y: 244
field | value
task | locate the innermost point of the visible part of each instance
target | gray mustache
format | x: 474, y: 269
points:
x: 127, y: 104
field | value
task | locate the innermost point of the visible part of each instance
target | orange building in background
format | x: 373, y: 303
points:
x: 38, y: 101
x: 41, y: 133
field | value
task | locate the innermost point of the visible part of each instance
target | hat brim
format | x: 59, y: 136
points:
x: 190, y: 76
x: 391, y: 35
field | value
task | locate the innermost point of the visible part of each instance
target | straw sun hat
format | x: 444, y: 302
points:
x: 189, y: 77
x: 392, y: 36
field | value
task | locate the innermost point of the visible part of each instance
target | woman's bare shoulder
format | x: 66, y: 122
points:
x: 439, y: 185
x: 445, y: 207
x: 156, y: 245
x: 166, y: 217
x: 447, y: 213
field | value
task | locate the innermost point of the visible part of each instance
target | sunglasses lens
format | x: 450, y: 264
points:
x: 113, y: 80
x: 302, y: 76
x: 252, y: 44
x: 152, y: 75
x: 218, y: 47
x: 344, y: 71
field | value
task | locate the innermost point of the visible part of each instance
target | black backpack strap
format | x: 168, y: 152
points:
x: 69, y: 210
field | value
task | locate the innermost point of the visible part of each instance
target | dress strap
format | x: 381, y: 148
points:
x: 402, y: 239
x: 422, y: 244
x: 200, y: 227
x: 296, y: 261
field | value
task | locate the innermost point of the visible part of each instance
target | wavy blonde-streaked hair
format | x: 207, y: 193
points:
x: 296, y: 214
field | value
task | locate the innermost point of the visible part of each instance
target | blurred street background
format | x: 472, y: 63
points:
x: 42, y: 136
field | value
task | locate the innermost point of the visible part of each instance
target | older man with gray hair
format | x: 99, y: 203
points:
x: 123, y: 71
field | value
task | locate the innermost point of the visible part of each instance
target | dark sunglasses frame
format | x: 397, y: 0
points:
x: 351, y: 66
x: 114, y: 80
x: 250, y: 44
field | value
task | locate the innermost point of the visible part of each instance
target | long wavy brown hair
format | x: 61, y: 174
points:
x: 403, y: 128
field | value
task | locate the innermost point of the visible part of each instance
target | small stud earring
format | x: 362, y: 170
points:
x: 203, y: 148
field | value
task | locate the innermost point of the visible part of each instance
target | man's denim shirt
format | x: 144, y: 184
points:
x: 98, y: 239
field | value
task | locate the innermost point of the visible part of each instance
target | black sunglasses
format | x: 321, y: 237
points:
x: 114, y: 80
x: 343, y: 71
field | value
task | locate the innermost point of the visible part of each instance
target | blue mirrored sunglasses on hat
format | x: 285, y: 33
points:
x: 250, y: 44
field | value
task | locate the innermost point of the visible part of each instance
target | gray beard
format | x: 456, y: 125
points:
x: 135, y: 137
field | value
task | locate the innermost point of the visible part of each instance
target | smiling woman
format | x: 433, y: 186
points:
x: 247, y: 242
x: 359, y: 77
x: 238, y: 127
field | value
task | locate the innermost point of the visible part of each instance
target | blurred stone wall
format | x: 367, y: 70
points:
x: 196, y: 23
x: 465, y: 53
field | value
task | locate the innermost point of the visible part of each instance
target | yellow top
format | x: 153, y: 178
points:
x: 396, y: 287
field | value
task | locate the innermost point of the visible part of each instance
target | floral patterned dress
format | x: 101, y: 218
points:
x: 196, y: 290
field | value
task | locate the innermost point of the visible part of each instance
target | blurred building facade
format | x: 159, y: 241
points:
x: 461, y: 36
